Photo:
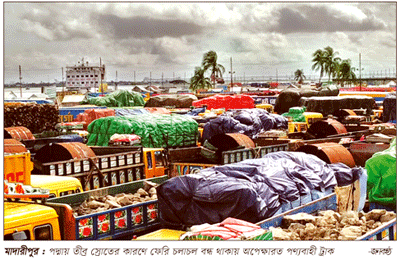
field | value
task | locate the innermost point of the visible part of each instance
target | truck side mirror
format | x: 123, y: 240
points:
x: 19, y: 235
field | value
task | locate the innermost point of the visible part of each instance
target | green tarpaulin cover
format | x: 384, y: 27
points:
x: 381, y: 184
x: 119, y: 98
x: 296, y: 113
x: 155, y: 130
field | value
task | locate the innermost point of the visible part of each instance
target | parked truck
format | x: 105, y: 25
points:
x: 55, y: 219
x: 101, y: 166
x: 190, y: 160
x: 18, y: 167
x: 387, y: 231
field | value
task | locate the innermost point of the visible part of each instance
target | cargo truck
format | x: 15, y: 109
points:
x: 55, y: 220
x: 387, y: 231
x: 190, y: 160
x: 106, y: 166
x: 18, y: 167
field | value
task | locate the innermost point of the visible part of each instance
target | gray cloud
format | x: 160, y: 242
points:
x: 239, y: 45
x: 145, y: 27
x: 389, y: 42
x: 311, y: 19
x: 166, y: 37
x: 321, y: 19
x: 356, y: 38
x: 49, y: 28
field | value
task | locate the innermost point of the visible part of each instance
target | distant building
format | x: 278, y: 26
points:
x: 84, y: 76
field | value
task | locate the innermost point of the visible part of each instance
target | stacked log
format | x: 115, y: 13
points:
x: 36, y: 117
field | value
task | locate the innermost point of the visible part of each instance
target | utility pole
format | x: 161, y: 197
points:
x: 134, y: 76
x: 162, y: 79
x: 20, y: 82
x: 360, y: 71
x: 231, y: 72
x: 116, y: 79
x: 62, y: 79
x: 150, y: 78
x: 101, y: 78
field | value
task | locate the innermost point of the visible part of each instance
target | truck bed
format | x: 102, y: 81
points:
x: 180, y: 166
x: 109, y: 167
x: 118, y: 223
x: 384, y: 232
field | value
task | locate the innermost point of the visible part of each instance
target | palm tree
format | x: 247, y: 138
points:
x: 319, y: 62
x: 210, y: 62
x: 345, y: 72
x: 331, y: 62
x: 299, y: 75
x: 198, y: 81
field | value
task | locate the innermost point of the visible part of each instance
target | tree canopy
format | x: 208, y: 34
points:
x: 209, y: 63
x: 299, y: 75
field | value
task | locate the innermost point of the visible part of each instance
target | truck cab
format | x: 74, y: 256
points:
x: 155, y: 162
x: 58, y: 185
x: 30, y: 221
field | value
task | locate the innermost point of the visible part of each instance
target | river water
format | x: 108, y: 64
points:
x: 38, y: 90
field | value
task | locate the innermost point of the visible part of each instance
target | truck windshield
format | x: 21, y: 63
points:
x: 149, y: 161
x: 159, y: 158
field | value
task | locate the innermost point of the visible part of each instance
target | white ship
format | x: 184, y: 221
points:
x: 85, y: 77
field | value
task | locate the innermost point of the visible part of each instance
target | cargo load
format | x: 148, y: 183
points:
x: 155, y: 130
x: 329, y: 105
x: 382, y: 175
x: 291, y: 97
x: 171, y: 100
x: 251, y: 190
x: 92, y: 114
x: 119, y: 98
x: 250, y: 122
x: 35, y: 117
x: 226, y: 101
x: 314, y: 221
x: 296, y: 114
x: 129, y: 111
x: 389, y: 107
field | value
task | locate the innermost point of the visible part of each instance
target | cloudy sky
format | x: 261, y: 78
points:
x: 169, y: 39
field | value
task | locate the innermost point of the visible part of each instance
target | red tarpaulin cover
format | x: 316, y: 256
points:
x: 226, y: 101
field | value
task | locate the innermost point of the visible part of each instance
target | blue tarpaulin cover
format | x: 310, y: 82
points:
x: 250, y: 122
x: 130, y: 111
x: 251, y: 190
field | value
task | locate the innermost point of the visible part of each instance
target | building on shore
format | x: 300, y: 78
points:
x: 85, y: 76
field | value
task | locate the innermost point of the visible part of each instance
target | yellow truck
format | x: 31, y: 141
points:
x: 107, y: 166
x: 30, y: 221
x: 55, y: 220
x: 18, y: 167
x: 155, y: 163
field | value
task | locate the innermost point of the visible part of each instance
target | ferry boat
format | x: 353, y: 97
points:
x: 85, y: 76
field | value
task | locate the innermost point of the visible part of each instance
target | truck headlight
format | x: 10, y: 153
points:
x: 43, y: 232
